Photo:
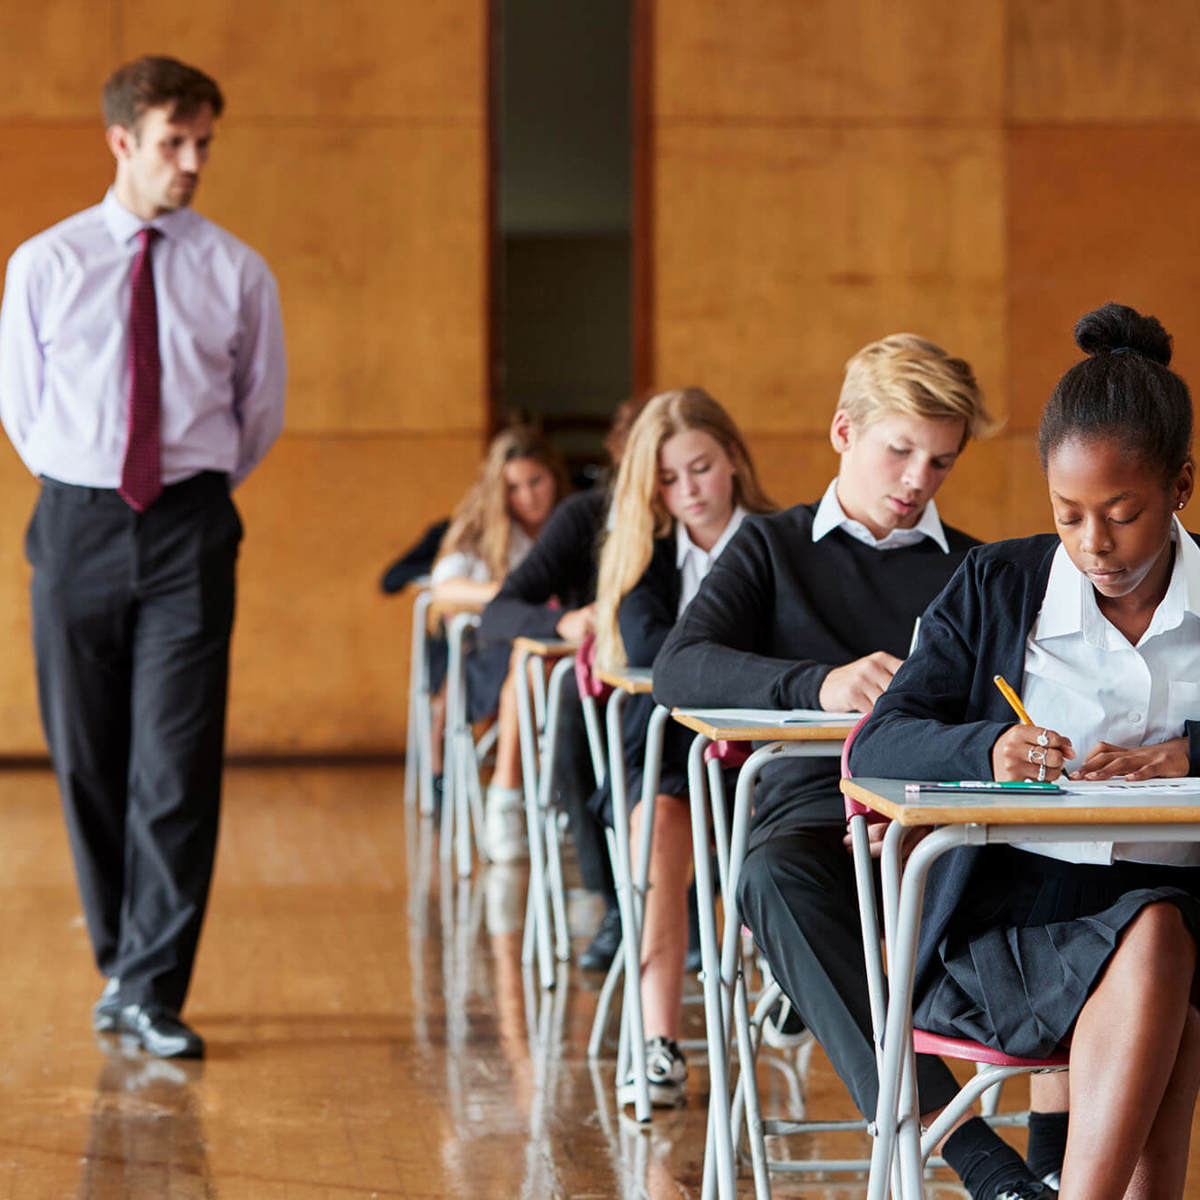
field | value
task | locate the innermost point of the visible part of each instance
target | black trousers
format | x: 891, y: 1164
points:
x: 132, y: 616
x: 796, y: 893
x: 574, y: 784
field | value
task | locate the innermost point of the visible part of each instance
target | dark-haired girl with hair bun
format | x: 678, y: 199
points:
x: 1086, y: 946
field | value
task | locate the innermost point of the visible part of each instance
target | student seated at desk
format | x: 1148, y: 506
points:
x: 492, y: 530
x: 551, y: 595
x: 1085, y: 945
x: 685, y: 484
x: 814, y: 608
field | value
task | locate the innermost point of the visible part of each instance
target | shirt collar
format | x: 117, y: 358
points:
x: 1070, y: 607
x: 685, y: 546
x: 124, y: 225
x: 830, y: 515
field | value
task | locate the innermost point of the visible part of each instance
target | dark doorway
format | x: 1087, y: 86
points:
x: 562, y: 323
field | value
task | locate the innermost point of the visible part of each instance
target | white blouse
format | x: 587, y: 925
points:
x: 461, y: 565
x: 1085, y: 680
x: 693, y: 563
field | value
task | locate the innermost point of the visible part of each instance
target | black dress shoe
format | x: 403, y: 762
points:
x: 161, y: 1032
x: 603, y: 947
x: 1033, y: 1190
x: 106, y: 1012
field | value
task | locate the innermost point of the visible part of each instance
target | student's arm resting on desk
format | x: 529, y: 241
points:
x: 714, y: 655
x: 561, y: 563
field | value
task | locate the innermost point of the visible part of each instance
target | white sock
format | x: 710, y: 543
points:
x: 504, y: 798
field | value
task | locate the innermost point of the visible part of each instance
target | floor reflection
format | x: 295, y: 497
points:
x: 147, y: 1133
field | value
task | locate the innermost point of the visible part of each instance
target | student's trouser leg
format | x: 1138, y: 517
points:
x: 574, y: 783
x: 797, y: 895
x: 132, y: 616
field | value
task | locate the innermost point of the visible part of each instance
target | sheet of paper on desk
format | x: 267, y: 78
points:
x: 774, y: 716
x: 1189, y: 786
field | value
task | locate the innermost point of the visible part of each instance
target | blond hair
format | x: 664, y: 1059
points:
x: 482, y: 524
x: 905, y: 373
x: 638, y: 514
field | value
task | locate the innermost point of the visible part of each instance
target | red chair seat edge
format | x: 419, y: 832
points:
x: 964, y: 1048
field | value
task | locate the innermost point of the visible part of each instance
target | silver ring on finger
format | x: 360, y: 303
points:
x: 1037, y: 755
x: 1042, y: 773
x: 1043, y: 739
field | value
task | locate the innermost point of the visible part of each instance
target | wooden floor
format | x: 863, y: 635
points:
x: 370, y: 1030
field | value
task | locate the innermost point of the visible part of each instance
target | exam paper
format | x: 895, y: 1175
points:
x: 775, y: 716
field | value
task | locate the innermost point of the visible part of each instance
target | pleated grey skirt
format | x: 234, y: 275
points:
x: 1031, y: 942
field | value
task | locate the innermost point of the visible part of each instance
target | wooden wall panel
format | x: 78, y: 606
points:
x: 1093, y: 220
x: 378, y: 238
x: 70, y: 163
x: 320, y: 654
x: 357, y: 59
x: 829, y: 60
x: 56, y: 56
x: 781, y: 250
x: 1104, y: 61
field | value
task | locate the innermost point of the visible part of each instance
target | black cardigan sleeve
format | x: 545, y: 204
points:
x: 561, y: 565
x: 647, y: 613
x: 715, y: 656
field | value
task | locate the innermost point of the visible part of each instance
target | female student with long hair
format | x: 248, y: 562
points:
x: 1098, y: 628
x: 520, y: 481
x: 685, y: 483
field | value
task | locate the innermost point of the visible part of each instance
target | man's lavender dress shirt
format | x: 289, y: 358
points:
x: 64, y: 378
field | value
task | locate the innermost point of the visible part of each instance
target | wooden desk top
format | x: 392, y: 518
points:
x: 749, y: 730
x: 637, y: 681
x: 545, y: 647
x: 1137, y: 806
x: 444, y: 612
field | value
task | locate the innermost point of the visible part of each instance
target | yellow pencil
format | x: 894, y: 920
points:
x: 1013, y: 699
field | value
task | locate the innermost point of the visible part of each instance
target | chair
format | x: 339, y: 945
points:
x: 992, y: 1066
x: 538, y: 707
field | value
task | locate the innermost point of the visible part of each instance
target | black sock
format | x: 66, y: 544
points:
x: 984, y: 1162
x: 1047, y: 1142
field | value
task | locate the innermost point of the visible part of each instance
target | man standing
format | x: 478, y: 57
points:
x: 141, y: 377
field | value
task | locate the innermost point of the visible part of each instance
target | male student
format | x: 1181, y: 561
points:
x: 814, y: 608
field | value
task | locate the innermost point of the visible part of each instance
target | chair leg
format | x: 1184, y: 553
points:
x: 604, y: 1004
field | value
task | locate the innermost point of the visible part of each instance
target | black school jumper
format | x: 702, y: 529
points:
x: 775, y: 615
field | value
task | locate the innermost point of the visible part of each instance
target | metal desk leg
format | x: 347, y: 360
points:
x: 537, y: 908
x: 631, y: 942
x: 718, y: 1102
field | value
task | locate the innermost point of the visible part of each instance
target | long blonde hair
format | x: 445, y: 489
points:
x: 638, y: 514
x: 482, y: 523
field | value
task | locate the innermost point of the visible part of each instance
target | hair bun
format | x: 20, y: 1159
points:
x: 1117, y: 326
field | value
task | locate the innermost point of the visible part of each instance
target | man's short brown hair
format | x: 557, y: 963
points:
x: 154, y: 81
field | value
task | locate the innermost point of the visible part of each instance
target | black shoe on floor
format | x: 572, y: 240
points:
x: 161, y: 1032
x: 106, y: 1012
x: 1034, y: 1190
x: 604, y: 944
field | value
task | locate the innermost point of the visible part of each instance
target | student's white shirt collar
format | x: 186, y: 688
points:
x: 685, y: 546
x: 831, y: 515
x: 1070, y: 604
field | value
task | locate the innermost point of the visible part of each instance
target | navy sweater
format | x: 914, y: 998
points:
x: 776, y: 614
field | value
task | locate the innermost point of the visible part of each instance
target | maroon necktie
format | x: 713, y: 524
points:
x: 141, y: 472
